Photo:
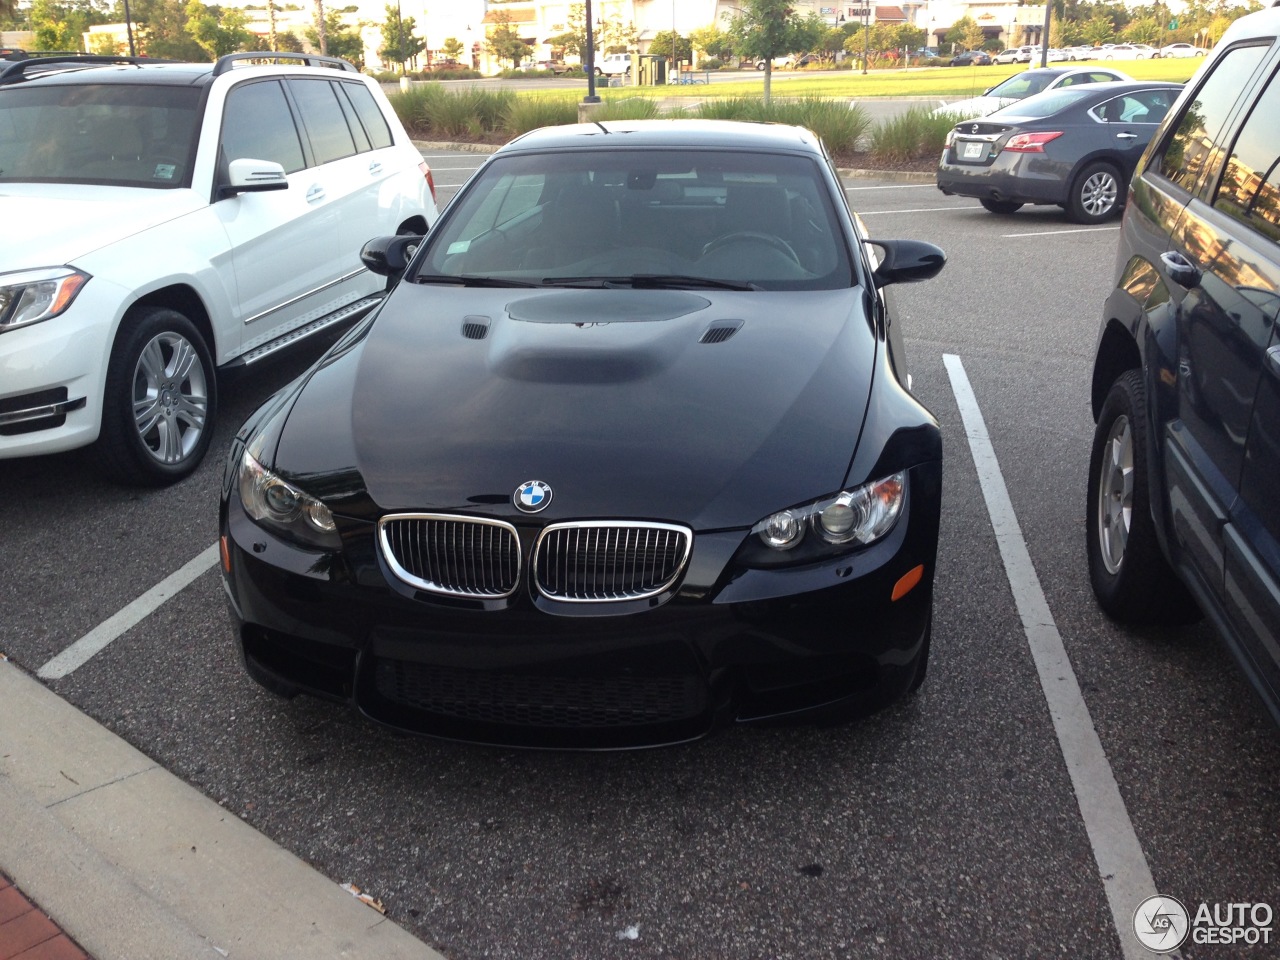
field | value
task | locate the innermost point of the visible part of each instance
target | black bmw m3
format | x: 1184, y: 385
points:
x: 628, y: 451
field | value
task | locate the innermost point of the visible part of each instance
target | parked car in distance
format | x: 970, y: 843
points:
x: 614, y: 65
x: 1181, y: 50
x: 1008, y: 55
x: 1026, y: 84
x: 555, y: 66
x: 545, y: 497
x: 971, y: 58
x: 1181, y: 511
x: 177, y: 218
x: 1074, y: 146
x: 1129, y: 51
x: 779, y: 63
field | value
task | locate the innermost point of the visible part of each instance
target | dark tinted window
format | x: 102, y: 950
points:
x: 1250, y: 187
x: 1191, y: 145
x: 323, y: 119
x: 258, y: 124
x: 1145, y: 106
x: 371, y: 118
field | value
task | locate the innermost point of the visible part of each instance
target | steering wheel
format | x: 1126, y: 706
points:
x: 751, y: 236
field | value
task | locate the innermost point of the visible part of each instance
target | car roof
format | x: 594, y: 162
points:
x: 78, y: 69
x: 671, y: 134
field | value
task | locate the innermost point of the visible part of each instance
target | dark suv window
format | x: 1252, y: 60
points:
x: 324, y: 120
x: 1250, y: 188
x: 1189, y: 149
x: 258, y: 124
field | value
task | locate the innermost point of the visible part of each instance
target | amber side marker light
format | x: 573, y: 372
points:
x: 906, y: 583
x: 226, y: 556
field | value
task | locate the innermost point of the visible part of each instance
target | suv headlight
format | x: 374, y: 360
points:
x: 29, y: 296
x: 283, y: 508
x: 828, y: 527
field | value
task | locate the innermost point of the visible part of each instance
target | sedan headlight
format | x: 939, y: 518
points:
x: 29, y: 296
x: 283, y: 508
x: 851, y: 519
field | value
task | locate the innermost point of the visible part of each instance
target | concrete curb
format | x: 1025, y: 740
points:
x: 134, y: 864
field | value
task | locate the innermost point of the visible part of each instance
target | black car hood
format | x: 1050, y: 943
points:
x: 615, y: 398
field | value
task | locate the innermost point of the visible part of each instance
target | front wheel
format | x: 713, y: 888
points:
x: 1001, y: 206
x: 1095, y: 194
x: 160, y: 398
x: 1129, y: 575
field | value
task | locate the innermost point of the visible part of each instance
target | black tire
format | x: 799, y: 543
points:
x: 1003, y: 207
x: 159, y: 401
x: 1096, y: 193
x: 1129, y: 574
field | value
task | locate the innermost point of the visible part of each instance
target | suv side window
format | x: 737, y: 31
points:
x: 371, y: 118
x: 1188, y: 151
x: 258, y: 123
x: 1250, y: 187
x: 324, y: 120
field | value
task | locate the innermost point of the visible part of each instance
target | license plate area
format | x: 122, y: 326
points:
x: 973, y: 150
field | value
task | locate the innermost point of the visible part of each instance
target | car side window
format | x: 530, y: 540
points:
x: 371, y: 118
x: 1250, y: 187
x: 258, y: 124
x: 1188, y: 149
x: 322, y: 116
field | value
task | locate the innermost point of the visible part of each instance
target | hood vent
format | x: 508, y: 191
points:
x: 475, y: 328
x: 720, y: 331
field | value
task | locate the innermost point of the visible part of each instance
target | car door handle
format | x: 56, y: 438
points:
x: 375, y: 168
x: 315, y: 194
x: 1181, y: 270
x: 1273, y: 361
x: 1126, y: 136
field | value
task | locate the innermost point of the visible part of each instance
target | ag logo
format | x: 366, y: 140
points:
x: 1161, y: 924
x: 532, y: 496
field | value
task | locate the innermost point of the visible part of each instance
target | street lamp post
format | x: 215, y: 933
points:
x: 128, y: 27
x: 866, y: 34
x: 591, y: 96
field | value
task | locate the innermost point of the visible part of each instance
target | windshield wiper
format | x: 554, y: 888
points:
x: 472, y: 281
x: 650, y: 281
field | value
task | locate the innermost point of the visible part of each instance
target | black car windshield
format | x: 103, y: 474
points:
x: 118, y: 134
x: 1022, y: 85
x: 1047, y: 104
x: 695, y: 218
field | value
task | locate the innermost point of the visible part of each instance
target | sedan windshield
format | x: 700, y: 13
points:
x: 1022, y: 85
x: 676, y: 218
x: 118, y: 134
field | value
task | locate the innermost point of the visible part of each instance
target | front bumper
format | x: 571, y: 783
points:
x: 730, y: 644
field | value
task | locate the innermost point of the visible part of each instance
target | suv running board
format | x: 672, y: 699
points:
x: 350, y: 313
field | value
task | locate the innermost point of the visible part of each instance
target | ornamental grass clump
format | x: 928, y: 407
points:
x: 530, y: 113
x: 911, y: 135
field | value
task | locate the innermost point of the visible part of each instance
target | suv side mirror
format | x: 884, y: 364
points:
x: 907, y: 261
x: 388, y: 256
x: 253, y: 176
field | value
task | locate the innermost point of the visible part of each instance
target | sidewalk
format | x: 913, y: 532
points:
x: 131, y: 863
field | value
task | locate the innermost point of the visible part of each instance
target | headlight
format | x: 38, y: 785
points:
x: 284, y: 508
x: 29, y: 296
x: 852, y: 518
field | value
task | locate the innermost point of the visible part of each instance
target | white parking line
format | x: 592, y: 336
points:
x: 96, y: 640
x: 1050, y: 233
x: 876, y: 213
x: 895, y: 186
x: 1126, y: 876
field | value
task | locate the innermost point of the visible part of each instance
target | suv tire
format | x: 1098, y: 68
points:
x: 1095, y: 193
x: 160, y: 399
x: 1130, y: 576
x: 1003, y: 207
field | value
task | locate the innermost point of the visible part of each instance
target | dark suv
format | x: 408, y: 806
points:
x: 1182, y: 515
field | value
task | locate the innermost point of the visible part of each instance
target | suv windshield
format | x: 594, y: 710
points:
x: 613, y: 216
x: 120, y: 134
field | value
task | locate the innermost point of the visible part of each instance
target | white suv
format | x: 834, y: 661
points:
x: 614, y: 65
x: 166, y: 219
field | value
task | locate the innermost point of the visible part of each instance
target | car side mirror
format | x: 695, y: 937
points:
x: 253, y: 176
x: 907, y: 261
x: 987, y: 91
x: 388, y: 256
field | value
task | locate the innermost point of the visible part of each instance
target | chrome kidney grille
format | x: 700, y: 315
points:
x: 455, y: 556
x: 587, y: 562
x: 602, y: 561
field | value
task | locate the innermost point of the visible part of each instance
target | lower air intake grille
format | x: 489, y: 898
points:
x: 534, y: 700
x: 452, y: 555
x: 599, y: 562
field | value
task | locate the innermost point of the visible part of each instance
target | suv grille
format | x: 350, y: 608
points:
x: 600, y: 561
x: 452, y: 555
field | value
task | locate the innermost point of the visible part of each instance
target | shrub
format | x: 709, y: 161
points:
x: 915, y: 133
x: 529, y: 113
x: 629, y: 108
x: 428, y: 109
x: 711, y: 63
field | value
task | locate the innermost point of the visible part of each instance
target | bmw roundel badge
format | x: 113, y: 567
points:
x: 532, y: 496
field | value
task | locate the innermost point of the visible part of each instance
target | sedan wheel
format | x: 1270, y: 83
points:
x: 159, y: 401
x: 1001, y: 206
x: 1095, y: 194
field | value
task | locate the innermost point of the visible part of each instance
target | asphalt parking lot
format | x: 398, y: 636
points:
x: 997, y: 814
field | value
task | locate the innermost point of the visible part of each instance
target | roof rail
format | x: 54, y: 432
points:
x: 308, y: 59
x: 12, y: 71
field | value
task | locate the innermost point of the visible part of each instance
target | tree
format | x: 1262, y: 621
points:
x: 712, y: 41
x: 504, y: 43
x: 573, y: 41
x: 288, y: 42
x: 762, y: 30
x: 218, y: 31
x: 663, y: 42
x: 452, y: 49
x: 60, y: 26
x: 399, y: 45
x: 341, y: 41
x: 161, y: 28
x: 966, y: 33
x: 1099, y: 29
x: 1146, y: 30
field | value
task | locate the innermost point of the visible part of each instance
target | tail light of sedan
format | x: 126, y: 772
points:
x: 431, y: 180
x: 1031, y: 142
